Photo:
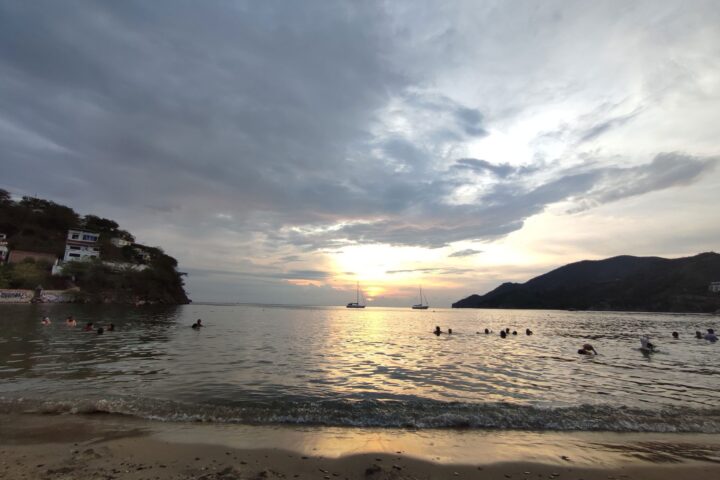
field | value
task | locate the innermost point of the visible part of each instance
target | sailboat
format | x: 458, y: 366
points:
x: 356, y: 303
x: 421, y: 305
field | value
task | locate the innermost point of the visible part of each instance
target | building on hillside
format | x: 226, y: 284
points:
x: 18, y: 256
x: 120, y: 242
x: 3, y: 248
x: 81, y: 245
x: 714, y: 287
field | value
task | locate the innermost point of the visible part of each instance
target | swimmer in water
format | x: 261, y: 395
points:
x: 88, y: 327
x: 646, y: 345
x: 46, y: 321
x: 587, y: 349
x: 698, y: 334
x: 197, y: 325
x: 675, y: 335
x: 487, y: 331
x: 503, y: 334
x: 111, y: 328
x: 528, y: 331
x: 437, y: 331
x: 710, y: 336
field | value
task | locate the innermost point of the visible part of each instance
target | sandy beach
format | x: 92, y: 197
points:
x: 107, y: 447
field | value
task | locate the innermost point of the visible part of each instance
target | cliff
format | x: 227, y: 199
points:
x: 623, y: 283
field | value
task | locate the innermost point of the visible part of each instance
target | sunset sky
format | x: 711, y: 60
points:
x: 282, y: 151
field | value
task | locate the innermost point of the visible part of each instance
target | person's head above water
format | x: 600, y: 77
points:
x: 698, y: 334
x: 507, y: 330
x: 711, y: 331
x: 675, y: 335
x: 487, y: 330
x: 514, y: 332
x: 503, y: 334
x: 100, y: 330
x: 528, y: 331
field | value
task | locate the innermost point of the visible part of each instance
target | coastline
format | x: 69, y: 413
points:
x: 110, y: 446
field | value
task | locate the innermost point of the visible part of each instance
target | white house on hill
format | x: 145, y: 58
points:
x: 81, y: 245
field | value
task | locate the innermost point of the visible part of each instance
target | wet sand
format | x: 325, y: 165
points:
x: 107, y: 447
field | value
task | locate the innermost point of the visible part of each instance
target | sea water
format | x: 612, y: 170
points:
x: 377, y: 367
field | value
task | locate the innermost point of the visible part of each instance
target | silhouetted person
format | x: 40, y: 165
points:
x: 88, y: 327
x: 528, y: 331
x: 698, y: 334
x: 507, y: 330
x: 437, y: 331
x: 100, y: 331
x: 503, y: 334
x: 46, y: 321
x: 646, y: 345
x: 710, y: 336
x: 587, y: 349
x: 449, y: 331
x: 514, y: 332
x: 111, y: 328
x: 487, y: 331
x: 675, y: 335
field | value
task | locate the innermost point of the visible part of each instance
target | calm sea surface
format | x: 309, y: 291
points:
x: 372, y: 367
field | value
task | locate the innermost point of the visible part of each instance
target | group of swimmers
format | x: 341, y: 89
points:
x: 503, y: 333
x: 89, y: 326
x: 646, y: 346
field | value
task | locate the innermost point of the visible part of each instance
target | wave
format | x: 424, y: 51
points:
x: 424, y: 414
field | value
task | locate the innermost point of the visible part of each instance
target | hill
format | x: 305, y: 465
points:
x: 623, y: 283
x: 128, y: 274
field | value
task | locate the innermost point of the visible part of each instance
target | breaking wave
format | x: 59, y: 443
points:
x: 422, y: 414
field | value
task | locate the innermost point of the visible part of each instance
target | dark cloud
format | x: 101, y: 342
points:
x: 468, y: 252
x: 434, y: 271
x: 292, y: 127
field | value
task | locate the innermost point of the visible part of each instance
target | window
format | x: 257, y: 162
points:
x: 75, y: 255
x: 74, y: 248
x: 90, y: 238
x: 75, y: 236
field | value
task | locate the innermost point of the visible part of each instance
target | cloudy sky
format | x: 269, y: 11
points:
x: 283, y: 151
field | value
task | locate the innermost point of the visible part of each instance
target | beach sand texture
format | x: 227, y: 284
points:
x: 83, y: 447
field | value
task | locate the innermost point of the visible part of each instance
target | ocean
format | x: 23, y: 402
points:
x: 377, y: 367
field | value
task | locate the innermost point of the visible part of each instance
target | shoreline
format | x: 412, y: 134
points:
x: 111, y: 446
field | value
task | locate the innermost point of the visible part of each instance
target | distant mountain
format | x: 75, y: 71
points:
x: 624, y: 283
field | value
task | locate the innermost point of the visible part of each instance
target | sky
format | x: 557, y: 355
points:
x: 285, y: 151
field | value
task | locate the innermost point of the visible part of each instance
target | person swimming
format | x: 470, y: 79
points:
x: 70, y: 321
x: 88, y: 327
x: 507, y: 330
x: 437, y: 331
x: 528, y: 331
x: 587, y: 349
x: 197, y: 324
x: 100, y: 331
x: 710, y: 336
x: 449, y: 331
x: 646, y: 345
x: 46, y: 321
x: 503, y: 334
x: 111, y: 328
x: 514, y: 332
x: 675, y: 335
x: 487, y: 331
x: 698, y: 334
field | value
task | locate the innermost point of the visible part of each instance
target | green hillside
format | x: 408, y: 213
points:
x: 38, y: 225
